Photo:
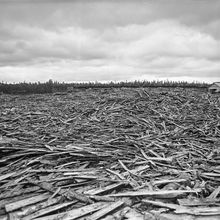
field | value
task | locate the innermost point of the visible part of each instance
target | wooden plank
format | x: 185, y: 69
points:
x: 47, y: 210
x: 28, y: 210
x: 5, y: 176
x: 157, y: 194
x: 11, y: 193
x: 22, y: 203
x: 109, y: 208
x: 178, y: 209
x: 9, y: 200
x: 75, y: 213
x: 163, y: 204
x: 104, y: 189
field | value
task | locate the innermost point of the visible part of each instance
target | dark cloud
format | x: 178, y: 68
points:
x: 104, y: 13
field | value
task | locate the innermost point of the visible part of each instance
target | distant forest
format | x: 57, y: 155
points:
x: 53, y: 86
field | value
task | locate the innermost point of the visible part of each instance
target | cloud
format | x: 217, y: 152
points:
x: 164, y: 38
x: 28, y: 44
x: 107, y: 13
x: 168, y: 38
x: 109, y: 40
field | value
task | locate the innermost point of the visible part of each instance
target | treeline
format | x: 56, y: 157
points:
x: 54, y: 86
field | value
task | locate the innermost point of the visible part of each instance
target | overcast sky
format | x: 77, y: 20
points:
x: 104, y: 40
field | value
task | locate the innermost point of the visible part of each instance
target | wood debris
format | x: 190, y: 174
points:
x: 110, y: 154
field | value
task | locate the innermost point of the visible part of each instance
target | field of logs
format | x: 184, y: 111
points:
x: 110, y: 154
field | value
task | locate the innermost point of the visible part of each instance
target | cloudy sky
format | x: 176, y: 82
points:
x: 104, y: 40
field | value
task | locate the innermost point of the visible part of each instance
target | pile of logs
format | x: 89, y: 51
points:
x: 110, y: 154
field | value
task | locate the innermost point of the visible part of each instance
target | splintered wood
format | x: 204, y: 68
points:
x: 110, y: 154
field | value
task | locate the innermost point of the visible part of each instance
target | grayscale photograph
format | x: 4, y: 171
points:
x: 110, y: 109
